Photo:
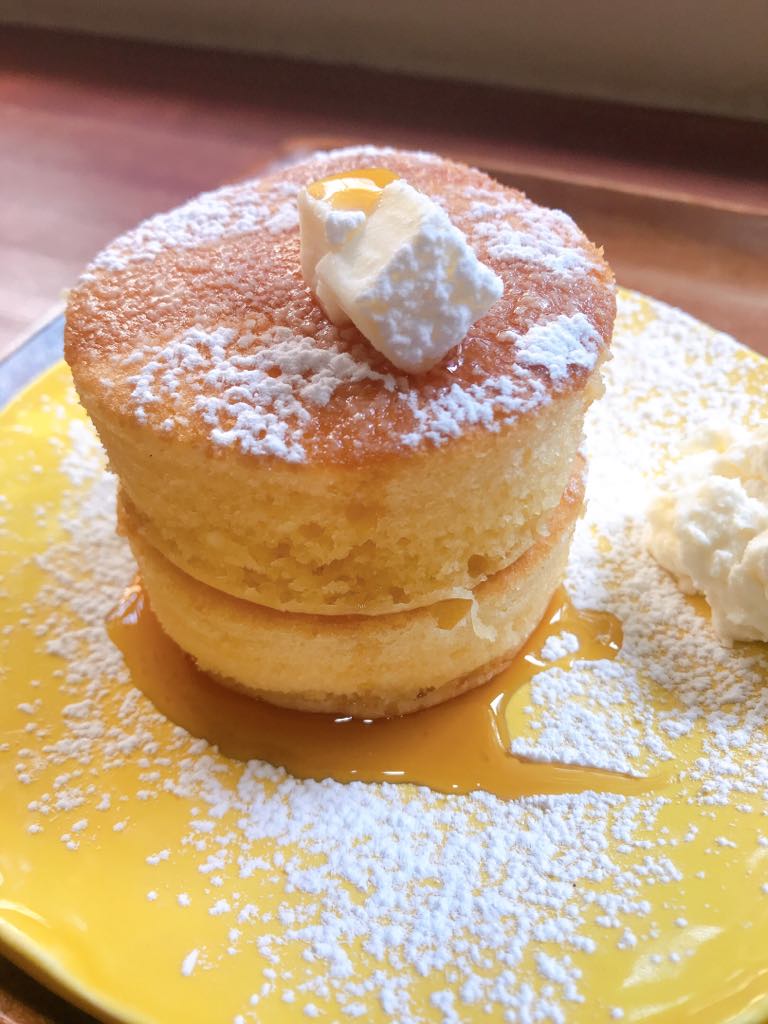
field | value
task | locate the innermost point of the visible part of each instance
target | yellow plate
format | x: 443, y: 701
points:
x: 156, y: 881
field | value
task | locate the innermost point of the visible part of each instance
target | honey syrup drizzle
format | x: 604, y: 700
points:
x: 353, y: 190
x: 455, y: 747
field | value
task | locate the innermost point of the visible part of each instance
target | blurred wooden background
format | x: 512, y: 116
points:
x: 680, y: 54
x: 97, y: 134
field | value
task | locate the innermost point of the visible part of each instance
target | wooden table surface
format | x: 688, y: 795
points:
x: 97, y: 134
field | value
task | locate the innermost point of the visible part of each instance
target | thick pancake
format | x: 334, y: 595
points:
x: 274, y: 457
x: 368, y: 666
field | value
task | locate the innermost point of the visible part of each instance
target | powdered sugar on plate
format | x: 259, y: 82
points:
x: 396, y: 902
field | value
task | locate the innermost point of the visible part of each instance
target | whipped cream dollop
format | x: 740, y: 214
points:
x: 709, y: 528
x: 382, y: 255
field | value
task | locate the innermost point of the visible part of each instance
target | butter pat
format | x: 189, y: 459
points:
x: 709, y: 528
x: 398, y: 269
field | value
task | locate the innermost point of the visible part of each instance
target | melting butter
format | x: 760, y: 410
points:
x: 353, y: 190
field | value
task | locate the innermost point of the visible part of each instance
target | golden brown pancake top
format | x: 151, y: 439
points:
x: 198, y: 325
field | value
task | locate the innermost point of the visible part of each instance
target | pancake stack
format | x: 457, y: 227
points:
x: 311, y: 523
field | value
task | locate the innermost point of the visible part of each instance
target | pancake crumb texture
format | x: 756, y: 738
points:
x: 369, y: 666
x: 354, y: 539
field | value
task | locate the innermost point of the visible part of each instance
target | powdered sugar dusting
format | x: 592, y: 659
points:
x: 235, y: 209
x: 559, y: 646
x: 558, y: 345
x: 258, y: 398
x: 514, y: 231
x: 397, y: 903
x: 261, y: 392
x: 594, y: 713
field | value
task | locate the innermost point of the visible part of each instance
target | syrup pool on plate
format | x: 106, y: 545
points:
x: 455, y: 747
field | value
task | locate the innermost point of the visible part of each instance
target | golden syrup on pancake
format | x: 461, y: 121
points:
x: 353, y: 190
x: 456, y: 747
